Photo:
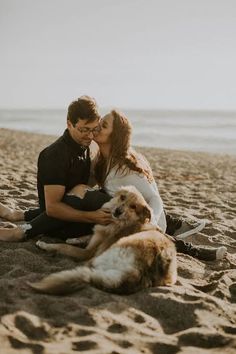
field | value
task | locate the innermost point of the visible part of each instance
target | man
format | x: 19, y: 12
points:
x: 61, y: 166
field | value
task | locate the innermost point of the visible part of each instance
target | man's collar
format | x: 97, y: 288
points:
x: 77, y: 148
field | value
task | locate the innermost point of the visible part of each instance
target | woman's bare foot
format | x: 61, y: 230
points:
x: 11, y: 215
x: 12, y: 234
x: 78, y: 191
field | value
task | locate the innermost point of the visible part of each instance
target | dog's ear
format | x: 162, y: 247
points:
x: 145, y: 214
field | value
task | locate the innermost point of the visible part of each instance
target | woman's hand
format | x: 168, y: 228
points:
x: 79, y: 190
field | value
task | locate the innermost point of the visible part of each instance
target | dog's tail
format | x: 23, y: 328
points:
x: 63, y: 282
x: 167, y: 266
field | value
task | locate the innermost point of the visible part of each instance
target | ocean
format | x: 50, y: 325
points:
x: 180, y: 130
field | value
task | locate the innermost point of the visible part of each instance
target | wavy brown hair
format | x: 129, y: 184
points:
x: 122, y: 156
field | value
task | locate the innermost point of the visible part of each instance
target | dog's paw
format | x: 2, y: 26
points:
x: 73, y: 241
x: 45, y: 246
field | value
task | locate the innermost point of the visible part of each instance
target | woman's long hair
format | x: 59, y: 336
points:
x: 122, y: 157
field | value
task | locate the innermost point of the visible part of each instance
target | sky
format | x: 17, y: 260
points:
x: 142, y: 54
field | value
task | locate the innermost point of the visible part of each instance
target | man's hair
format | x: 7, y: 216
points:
x: 85, y: 108
x: 122, y: 156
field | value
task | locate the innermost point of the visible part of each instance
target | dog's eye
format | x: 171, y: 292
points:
x: 132, y: 206
x: 122, y: 197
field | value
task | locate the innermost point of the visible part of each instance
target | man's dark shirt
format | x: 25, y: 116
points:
x: 63, y: 163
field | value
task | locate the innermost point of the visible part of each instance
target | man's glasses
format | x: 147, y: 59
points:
x: 86, y: 130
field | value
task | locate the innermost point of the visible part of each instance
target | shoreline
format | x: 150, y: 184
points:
x: 196, y: 315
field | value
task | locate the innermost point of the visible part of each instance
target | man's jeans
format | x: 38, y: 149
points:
x: 41, y: 223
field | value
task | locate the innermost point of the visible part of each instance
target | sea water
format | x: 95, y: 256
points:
x: 179, y: 130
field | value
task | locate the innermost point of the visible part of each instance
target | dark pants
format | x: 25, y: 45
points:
x: 172, y: 224
x: 43, y: 224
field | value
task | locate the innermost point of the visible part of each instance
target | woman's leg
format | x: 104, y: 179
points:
x: 200, y: 252
x: 181, y: 229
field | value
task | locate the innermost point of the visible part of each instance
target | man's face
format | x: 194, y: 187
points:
x: 83, y: 131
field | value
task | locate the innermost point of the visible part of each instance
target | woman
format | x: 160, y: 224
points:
x: 116, y: 165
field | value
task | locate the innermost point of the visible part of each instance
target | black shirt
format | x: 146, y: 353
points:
x: 63, y: 163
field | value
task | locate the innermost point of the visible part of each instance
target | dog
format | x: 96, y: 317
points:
x: 123, y: 257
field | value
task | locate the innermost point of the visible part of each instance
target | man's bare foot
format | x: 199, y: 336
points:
x: 11, y: 215
x: 12, y: 234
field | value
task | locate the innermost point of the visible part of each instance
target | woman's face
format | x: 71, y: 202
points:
x: 103, y: 137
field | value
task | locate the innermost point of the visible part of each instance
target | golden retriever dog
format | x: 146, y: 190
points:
x: 123, y: 257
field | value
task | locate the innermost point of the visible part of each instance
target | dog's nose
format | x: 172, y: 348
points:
x: 117, y: 212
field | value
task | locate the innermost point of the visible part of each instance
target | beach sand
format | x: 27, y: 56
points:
x: 196, y: 315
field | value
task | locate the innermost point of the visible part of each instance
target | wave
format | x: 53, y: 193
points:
x: 199, y: 131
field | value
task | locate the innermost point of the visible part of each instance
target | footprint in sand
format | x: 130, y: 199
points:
x: 29, y: 329
x: 14, y: 193
x: 24, y: 185
x: 6, y: 187
x: 229, y: 329
x: 84, y: 332
x: 17, y: 344
x: 207, y: 287
x: 117, y: 328
x: 232, y: 289
x: 211, y: 231
x: 204, y: 340
x: 164, y: 348
x: 83, y: 345
x: 139, y: 319
x: 124, y: 344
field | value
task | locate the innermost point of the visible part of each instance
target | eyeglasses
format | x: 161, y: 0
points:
x: 86, y: 130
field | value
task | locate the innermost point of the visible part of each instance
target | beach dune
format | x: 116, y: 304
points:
x: 196, y: 315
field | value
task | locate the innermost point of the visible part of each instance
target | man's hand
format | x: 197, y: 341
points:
x: 101, y: 216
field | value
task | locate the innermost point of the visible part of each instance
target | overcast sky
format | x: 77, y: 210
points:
x: 174, y: 54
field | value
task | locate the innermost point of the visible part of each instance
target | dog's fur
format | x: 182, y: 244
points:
x: 122, y: 257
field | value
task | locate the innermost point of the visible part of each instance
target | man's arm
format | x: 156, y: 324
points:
x: 57, y: 209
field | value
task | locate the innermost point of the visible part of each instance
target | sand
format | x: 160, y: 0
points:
x: 196, y: 315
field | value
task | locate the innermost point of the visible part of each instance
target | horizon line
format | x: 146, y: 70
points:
x: 210, y: 110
